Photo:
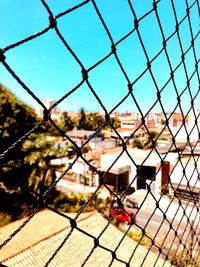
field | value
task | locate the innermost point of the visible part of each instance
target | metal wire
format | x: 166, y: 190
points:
x: 182, y: 238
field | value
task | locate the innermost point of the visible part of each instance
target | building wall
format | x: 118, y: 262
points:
x: 108, y: 159
x: 102, y: 145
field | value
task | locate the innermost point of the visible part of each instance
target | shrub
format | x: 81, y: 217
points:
x: 71, y: 202
x: 184, y: 259
x: 5, y: 218
x: 137, y: 236
x: 138, y: 143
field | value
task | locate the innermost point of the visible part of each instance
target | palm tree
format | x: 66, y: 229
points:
x: 82, y: 121
x: 151, y: 141
x: 39, y: 151
x: 66, y: 122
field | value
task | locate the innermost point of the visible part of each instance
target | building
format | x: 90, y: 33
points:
x: 81, y: 136
x: 177, y: 120
x: 190, y: 130
x: 117, y: 177
x: 185, y: 183
x: 55, y: 112
x: 127, y: 123
x: 122, y: 135
x: 141, y: 171
x: 147, y: 172
x: 77, y: 247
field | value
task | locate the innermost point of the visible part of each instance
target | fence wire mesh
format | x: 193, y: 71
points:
x: 175, y: 238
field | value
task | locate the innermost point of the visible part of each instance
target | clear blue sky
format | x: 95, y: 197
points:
x: 49, y: 70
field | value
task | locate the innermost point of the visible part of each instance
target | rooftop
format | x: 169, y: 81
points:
x: 80, y: 133
x: 78, y: 245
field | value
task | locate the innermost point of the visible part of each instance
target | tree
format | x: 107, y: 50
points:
x: 138, y: 143
x: 66, y: 122
x: 40, y: 150
x: 27, y: 164
x: 48, y: 129
x: 115, y: 122
x: 91, y: 121
x: 81, y: 120
x: 16, y: 119
x: 163, y: 122
x: 151, y: 141
x: 94, y: 121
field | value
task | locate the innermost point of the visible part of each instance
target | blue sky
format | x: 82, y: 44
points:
x: 49, y: 70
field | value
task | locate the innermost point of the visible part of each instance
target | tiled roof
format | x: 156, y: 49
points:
x: 79, y: 248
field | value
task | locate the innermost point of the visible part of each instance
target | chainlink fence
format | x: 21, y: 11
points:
x: 174, y: 239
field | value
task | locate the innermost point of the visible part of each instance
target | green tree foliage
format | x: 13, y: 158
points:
x: 163, y: 122
x: 66, y: 122
x: 93, y: 120
x: 26, y: 165
x: 81, y: 120
x: 138, y: 143
x: 151, y: 140
x: 48, y: 129
x: 16, y: 119
x: 39, y: 150
x: 115, y: 121
x: 72, y: 202
x: 90, y: 121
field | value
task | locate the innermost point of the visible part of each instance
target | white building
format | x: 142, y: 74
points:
x: 191, y: 130
x: 182, y: 177
x: 137, y: 159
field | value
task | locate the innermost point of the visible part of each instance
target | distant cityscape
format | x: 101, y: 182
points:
x: 169, y: 134
x: 153, y: 121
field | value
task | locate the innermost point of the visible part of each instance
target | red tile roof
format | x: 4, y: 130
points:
x: 76, y: 247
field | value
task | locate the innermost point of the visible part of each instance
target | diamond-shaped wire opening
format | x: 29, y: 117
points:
x: 176, y: 235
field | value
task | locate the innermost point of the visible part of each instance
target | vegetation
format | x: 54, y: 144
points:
x: 5, y: 218
x: 138, y: 143
x: 27, y: 164
x: 184, y: 258
x: 49, y: 129
x: 151, y: 140
x: 40, y: 150
x: 86, y: 121
x: 14, y: 206
x: 66, y: 122
x: 81, y: 120
x: 25, y: 169
x: 115, y: 122
x: 72, y: 202
x: 149, y: 143
x: 92, y: 121
x: 16, y: 119
x: 137, y: 236
x: 163, y: 122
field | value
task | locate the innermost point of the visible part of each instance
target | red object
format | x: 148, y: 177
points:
x: 123, y: 215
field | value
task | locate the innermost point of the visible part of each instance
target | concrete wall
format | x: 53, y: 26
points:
x: 101, y: 145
